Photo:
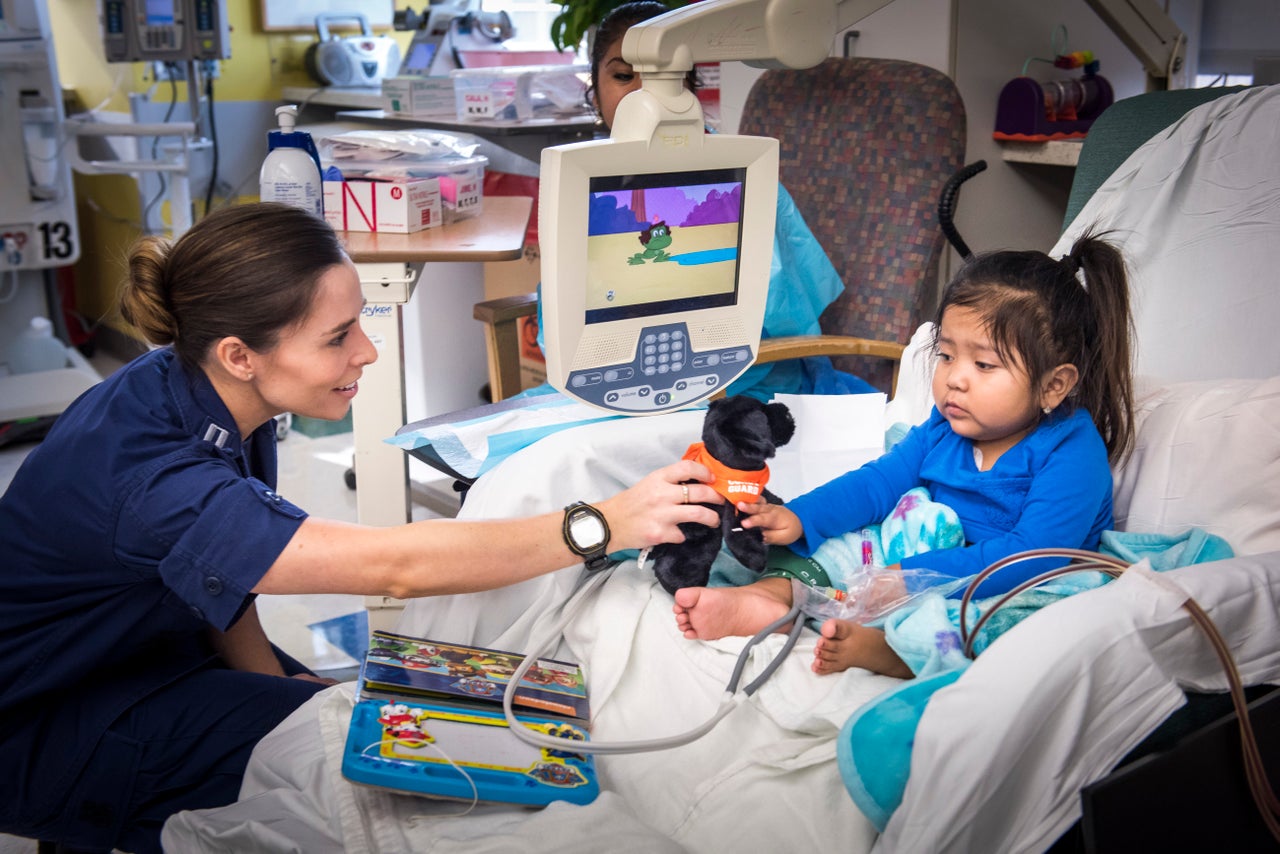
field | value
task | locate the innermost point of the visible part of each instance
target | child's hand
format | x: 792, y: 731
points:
x: 779, y: 525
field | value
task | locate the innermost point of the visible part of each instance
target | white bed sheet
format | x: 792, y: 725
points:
x: 999, y: 760
x: 1000, y: 755
x: 764, y: 780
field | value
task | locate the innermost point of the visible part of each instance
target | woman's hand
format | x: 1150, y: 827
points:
x: 650, y: 512
x: 779, y: 525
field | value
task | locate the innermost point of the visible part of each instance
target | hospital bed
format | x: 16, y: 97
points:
x: 1000, y: 756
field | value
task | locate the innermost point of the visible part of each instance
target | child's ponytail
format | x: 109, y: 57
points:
x: 1106, y: 374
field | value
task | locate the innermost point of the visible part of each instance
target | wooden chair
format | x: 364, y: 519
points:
x: 866, y: 148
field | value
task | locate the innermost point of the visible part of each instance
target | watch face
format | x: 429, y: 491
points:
x: 586, y: 530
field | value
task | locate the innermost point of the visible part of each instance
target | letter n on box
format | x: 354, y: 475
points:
x: 401, y: 207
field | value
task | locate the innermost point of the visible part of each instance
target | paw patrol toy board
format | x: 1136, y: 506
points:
x: 465, y: 754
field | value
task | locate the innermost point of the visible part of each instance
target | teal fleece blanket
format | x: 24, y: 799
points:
x: 873, y: 750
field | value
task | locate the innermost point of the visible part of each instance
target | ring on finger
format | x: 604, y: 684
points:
x: 685, y: 487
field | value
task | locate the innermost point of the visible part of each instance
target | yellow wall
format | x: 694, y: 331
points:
x: 109, y: 210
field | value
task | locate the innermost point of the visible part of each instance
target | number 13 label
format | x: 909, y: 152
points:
x: 57, y: 239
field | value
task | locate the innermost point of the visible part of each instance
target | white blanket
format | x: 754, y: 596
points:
x: 1054, y: 704
x: 764, y: 780
x: 1000, y: 755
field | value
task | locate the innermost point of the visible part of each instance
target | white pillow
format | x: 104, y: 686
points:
x: 1207, y: 455
x: 913, y: 398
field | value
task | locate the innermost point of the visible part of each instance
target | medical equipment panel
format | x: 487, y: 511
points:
x: 165, y: 30
x: 604, y: 321
x: 655, y: 265
x: 38, y: 226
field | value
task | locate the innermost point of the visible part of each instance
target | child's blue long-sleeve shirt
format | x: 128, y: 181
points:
x: 1050, y: 490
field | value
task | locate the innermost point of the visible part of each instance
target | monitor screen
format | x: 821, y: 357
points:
x: 418, y: 59
x: 663, y: 243
x: 159, y: 13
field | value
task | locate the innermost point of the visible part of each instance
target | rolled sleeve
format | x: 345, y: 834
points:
x: 217, y: 548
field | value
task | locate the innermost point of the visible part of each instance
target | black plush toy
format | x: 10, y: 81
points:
x: 738, y: 435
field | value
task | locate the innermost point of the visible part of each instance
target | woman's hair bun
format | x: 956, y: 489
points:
x: 144, y: 299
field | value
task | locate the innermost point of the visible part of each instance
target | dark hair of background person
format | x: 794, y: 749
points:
x: 615, y: 25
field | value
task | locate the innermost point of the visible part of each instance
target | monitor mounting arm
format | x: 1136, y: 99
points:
x: 1151, y: 35
x: 762, y: 33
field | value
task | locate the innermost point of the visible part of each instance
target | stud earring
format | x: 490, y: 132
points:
x: 1048, y: 410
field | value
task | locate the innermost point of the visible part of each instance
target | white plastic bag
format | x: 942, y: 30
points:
x: 871, y: 593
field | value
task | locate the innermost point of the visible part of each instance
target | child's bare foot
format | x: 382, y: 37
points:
x: 709, y: 613
x: 844, y: 644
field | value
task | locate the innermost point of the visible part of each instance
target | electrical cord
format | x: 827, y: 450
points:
x: 1264, y: 796
x: 155, y: 145
x: 454, y: 26
x: 213, y: 138
x: 731, y: 699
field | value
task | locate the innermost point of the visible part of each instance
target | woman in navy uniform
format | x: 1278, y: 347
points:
x: 136, y: 675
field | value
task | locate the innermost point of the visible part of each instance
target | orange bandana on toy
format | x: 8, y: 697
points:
x: 734, y: 484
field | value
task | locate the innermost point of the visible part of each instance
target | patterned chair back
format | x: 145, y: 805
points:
x: 866, y: 148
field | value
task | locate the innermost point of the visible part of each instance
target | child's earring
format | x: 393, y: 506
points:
x: 1048, y: 410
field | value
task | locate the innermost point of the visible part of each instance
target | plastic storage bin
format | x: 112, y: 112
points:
x: 519, y: 93
x: 409, y: 155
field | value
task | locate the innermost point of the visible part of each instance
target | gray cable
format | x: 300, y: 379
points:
x: 728, y: 703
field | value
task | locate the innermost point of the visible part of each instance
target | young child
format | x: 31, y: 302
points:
x: 1033, y: 402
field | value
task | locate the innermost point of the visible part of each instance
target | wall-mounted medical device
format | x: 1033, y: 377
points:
x: 165, y: 30
x: 657, y: 242
x: 38, y: 227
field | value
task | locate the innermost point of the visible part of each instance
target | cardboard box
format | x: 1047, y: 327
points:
x: 383, y: 206
x: 410, y: 97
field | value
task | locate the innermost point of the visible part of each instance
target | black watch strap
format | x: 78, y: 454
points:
x: 595, y: 556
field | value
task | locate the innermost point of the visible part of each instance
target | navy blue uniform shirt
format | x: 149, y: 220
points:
x: 141, y: 520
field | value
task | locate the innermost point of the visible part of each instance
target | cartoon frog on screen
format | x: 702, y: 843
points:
x: 656, y: 238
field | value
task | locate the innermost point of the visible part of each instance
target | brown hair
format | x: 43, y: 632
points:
x: 1040, y: 315
x: 615, y: 25
x: 248, y: 271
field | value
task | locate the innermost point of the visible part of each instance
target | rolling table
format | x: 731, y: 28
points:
x: 447, y: 263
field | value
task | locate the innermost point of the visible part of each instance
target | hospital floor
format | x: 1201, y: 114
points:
x: 319, y: 630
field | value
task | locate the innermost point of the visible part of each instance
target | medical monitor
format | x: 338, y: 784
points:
x: 655, y: 265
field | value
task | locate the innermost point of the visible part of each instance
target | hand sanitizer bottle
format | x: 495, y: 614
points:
x: 291, y: 171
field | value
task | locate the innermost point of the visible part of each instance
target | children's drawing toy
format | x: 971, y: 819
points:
x: 465, y: 754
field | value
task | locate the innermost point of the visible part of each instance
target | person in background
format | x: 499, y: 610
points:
x: 1033, y: 399
x: 137, y: 676
x: 802, y: 280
